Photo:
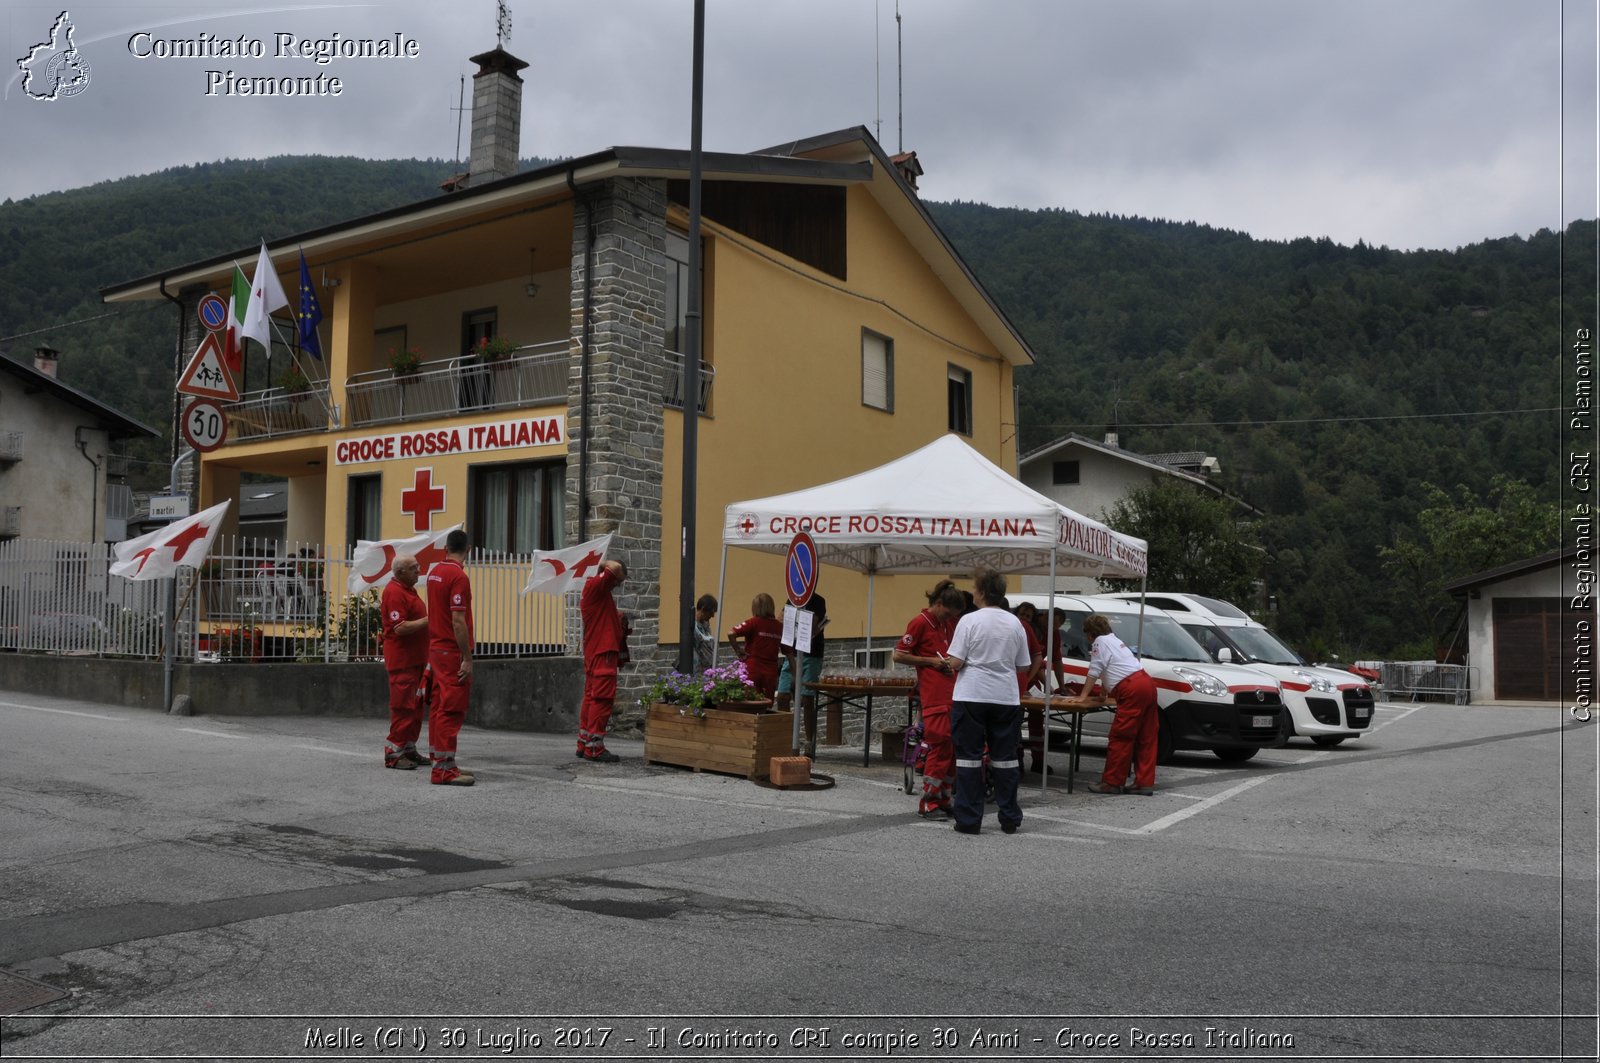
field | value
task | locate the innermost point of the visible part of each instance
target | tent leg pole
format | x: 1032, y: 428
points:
x: 1049, y: 674
x: 722, y: 589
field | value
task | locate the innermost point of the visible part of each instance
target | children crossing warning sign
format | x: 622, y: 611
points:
x: 206, y: 376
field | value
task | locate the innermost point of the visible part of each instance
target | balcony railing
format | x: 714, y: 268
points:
x: 10, y: 446
x: 275, y: 412
x: 534, y: 375
x: 672, y: 384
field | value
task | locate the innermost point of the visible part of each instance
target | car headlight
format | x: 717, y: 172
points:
x: 1318, y: 683
x: 1205, y: 683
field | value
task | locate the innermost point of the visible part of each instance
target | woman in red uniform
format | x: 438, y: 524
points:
x: 926, y: 647
x: 762, y: 635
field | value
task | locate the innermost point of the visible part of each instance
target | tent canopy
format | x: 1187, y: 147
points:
x: 943, y: 508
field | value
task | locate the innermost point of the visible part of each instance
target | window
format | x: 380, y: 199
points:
x: 1064, y: 472
x: 518, y: 508
x: 877, y: 371
x: 960, y: 401
x: 385, y: 343
x: 364, y: 517
x: 677, y: 309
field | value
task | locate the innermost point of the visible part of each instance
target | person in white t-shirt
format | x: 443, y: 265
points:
x: 1138, y: 720
x: 988, y: 648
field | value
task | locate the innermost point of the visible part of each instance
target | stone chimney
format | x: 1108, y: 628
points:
x: 496, y: 117
x: 45, y: 360
x: 1111, y: 438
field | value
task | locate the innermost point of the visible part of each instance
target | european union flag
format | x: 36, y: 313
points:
x: 310, y: 312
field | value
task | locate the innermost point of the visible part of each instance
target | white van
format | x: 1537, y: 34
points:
x: 1326, y: 705
x: 1231, y: 710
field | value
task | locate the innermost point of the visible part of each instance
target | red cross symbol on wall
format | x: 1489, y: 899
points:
x: 422, y: 500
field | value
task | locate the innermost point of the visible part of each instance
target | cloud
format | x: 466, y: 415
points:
x: 1429, y: 123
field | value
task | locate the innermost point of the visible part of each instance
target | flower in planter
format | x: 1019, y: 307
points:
x: 493, y: 349
x: 694, y: 693
x: 405, y: 361
x: 293, y: 381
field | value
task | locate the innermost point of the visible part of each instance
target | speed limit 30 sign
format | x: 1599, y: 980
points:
x: 204, y: 425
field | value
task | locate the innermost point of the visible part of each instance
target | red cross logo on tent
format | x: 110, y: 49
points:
x: 747, y: 524
x: 422, y: 500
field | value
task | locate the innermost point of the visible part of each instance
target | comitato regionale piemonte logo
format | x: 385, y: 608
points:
x: 55, y: 69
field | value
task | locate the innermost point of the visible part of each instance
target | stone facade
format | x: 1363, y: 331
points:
x: 496, y: 117
x: 627, y: 333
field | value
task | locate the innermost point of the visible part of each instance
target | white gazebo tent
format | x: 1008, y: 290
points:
x: 944, y: 508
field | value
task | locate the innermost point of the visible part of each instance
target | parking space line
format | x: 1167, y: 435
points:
x: 327, y: 749
x: 1194, y: 810
x: 212, y: 734
x: 59, y: 712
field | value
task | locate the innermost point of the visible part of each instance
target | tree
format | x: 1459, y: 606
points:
x: 1458, y: 535
x: 1196, y: 544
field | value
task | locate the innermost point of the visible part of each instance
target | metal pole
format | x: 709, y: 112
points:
x: 691, y: 358
x: 1049, y: 677
x: 722, y: 606
x: 169, y: 656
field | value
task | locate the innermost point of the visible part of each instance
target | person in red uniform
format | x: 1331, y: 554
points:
x: 1028, y: 678
x: 763, y: 638
x: 1136, y: 729
x: 602, y: 649
x: 405, y: 657
x: 926, y: 647
x: 450, y: 657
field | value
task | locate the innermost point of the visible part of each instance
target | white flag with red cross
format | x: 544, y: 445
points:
x: 372, y: 563
x: 559, y: 571
x: 159, y: 553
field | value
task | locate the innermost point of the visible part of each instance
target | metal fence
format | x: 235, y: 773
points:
x: 250, y: 601
x: 1425, y: 681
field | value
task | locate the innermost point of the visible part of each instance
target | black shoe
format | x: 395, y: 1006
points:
x: 1142, y: 791
x: 967, y: 828
x: 938, y: 812
x: 604, y: 756
x: 1010, y: 828
x: 1098, y: 787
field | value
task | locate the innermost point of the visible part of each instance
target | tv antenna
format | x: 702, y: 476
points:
x: 460, y: 109
x: 899, y: 82
x: 502, y: 24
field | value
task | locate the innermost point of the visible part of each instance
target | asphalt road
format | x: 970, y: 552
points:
x: 248, y: 888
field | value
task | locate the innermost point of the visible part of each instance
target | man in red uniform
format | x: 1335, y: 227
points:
x: 602, y: 645
x: 926, y: 647
x: 450, y: 656
x: 405, y: 656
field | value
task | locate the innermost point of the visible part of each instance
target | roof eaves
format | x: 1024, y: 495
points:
x: 1513, y: 568
x: 122, y: 426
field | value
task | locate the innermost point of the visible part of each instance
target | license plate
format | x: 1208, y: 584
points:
x: 1361, y: 712
x: 1261, y: 721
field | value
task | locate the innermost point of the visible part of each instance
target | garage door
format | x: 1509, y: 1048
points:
x: 1528, y: 643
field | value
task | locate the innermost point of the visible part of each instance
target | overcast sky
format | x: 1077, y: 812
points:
x: 1407, y: 123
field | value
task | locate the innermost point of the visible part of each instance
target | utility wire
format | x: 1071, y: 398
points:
x: 144, y: 308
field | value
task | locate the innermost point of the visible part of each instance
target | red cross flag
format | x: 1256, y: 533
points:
x: 183, y: 542
x: 559, y: 571
x: 372, y: 563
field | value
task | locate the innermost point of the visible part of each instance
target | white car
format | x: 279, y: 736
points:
x: 1231, y: 710
x: 1326, y: 705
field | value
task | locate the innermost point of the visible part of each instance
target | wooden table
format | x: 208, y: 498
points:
x: 856, y: 695
x: 1072, y: 716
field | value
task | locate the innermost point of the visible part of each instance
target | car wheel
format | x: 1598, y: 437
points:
x: 1237, y: 755
x: 1164, y: 744
x: 1328, y: 740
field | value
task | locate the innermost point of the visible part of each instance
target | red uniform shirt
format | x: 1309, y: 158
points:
x: 1035, y: 649
x: 602, y: 624
x: 401, y: 603
x: 448, y: 592
x: 763, y: 636
x: 927, y: 637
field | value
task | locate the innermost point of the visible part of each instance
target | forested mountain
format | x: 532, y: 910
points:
x: 1330, y: 381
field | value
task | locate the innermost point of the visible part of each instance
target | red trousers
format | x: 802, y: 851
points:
x: 451, y: 696
x: 939, y: 769
x: 764, y: 674
x: 1133, y: 732
x: 599, y: 697
x: 408, y: 701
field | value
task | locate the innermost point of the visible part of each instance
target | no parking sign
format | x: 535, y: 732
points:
x: 800, y: 570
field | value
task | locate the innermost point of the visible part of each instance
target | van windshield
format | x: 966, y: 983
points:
x: 1163, y: 639
x: 1259, y: 644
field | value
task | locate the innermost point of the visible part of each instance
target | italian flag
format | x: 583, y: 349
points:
x: 238, y: 300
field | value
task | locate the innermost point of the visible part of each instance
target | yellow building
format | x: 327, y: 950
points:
x: 841, y: 330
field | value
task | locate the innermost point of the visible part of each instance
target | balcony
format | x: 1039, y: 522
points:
x: 534, y: 375
x: 672, y: 383
x: 274, y: 412
x: 10, y: 446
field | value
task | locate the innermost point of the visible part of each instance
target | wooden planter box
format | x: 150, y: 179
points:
x: 736, y: 741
